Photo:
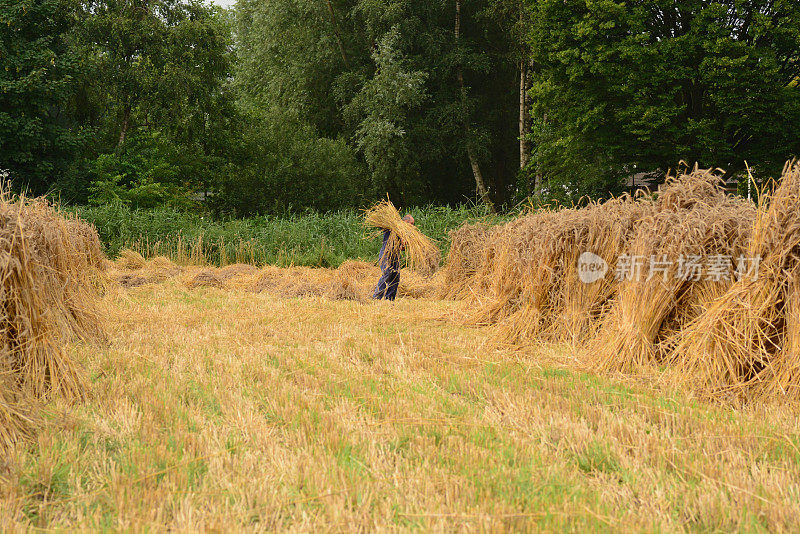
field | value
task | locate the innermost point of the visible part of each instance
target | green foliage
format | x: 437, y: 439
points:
x: 279, y: 164
x: 155, y: 95
x: 621, y: 87
x: 157, y: 64
x: 332, y: 104
x: 146, y: 175
x: 383, y: 77
x: 381, y: 109
x: 38, y: 69
x: 301, y: 239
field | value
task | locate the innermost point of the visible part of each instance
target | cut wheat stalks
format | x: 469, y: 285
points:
x: 49, y: 268
x: 691, y: 217
x: 468, y: 244
x: 744, y: 345
x: 422, y: 254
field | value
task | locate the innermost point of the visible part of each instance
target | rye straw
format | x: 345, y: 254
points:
x: 49, y: 268
x: 422, y: 254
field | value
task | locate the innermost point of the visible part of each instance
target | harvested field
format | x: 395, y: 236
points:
x: 522, y: 279
x: 231, y: 410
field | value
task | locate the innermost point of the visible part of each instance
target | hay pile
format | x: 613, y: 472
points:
x: 528, y: 284
x: 220, y: 277
x: 745, y: 343
x: 345, y: 287
x: 131, y: 269
x: 353, y: 280
x: 725, y: 333
x: 50, y: 267
x: 130, y: 260
x: 422, y: 254
x: 692, y: 217
x: 464, y: 260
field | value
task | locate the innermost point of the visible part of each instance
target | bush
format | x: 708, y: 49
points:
x: 279, y: 164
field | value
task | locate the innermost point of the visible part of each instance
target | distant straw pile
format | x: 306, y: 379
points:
x: 49, y: 296
x: 422, y: 254
x: 353, y: 280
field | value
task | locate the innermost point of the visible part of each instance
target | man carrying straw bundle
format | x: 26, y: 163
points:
x: 390, y: 267
x: 399, y: 235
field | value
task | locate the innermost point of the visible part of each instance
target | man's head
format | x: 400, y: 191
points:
x: 409, y: 219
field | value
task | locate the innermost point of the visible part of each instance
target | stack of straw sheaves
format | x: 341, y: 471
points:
x: 49, y: 295
x: 733, y: 337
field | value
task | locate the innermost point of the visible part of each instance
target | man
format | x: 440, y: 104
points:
x: 390, y: 269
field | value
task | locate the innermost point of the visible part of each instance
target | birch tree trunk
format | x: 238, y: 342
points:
x: 126, y: 118
x: 523, y: 115
x: 480, y: 184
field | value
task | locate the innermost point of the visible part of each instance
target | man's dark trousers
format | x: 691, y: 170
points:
x: 390, y: 273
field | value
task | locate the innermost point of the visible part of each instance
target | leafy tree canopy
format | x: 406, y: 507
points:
x: 38, y: 72
x: 626, y: 87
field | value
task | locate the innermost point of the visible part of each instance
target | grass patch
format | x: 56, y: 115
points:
x: 312, y: 239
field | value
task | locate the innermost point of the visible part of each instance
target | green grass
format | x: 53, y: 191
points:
x: 311, y: 239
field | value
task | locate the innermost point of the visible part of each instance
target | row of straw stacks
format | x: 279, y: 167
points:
x: 728, y: 337
x: 49, y: 292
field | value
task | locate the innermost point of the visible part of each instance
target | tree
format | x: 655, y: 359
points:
x: 382, y: 109
x: 291, y: 52
x: 336, y: 64
x: 480, y: 184
x: 38, y: 70
x: 280, y: 164
x: 631, y: 87
x: 159, y: 89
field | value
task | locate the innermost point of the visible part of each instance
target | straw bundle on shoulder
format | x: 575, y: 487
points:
x: 422, y: 254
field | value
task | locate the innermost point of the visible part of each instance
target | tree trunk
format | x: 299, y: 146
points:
x: 480, y: 184
x: 336, y: 31
x: 126, y: 118
x: 538, y: 179
x: 523, y: 115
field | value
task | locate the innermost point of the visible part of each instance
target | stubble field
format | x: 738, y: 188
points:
x: 230, y: 410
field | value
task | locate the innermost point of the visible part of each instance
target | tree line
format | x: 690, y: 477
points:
x: 281, y: 106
